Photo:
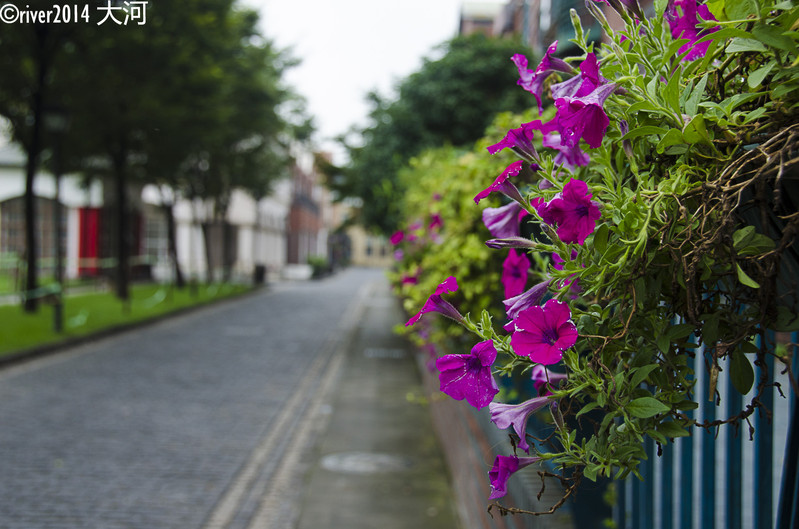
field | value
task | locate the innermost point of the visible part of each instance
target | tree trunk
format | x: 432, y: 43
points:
x: 31, y: 303
x: 172, y: 248
x: 209, y: 260
x: 122, y: 231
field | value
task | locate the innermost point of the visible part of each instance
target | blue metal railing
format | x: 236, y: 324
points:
x: 719, y: 479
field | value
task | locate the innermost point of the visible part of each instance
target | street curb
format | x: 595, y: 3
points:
x: 41, y: 351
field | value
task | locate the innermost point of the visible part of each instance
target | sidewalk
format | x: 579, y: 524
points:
x: 377, y: 462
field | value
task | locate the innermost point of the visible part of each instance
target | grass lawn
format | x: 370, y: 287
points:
x: 88, y: 313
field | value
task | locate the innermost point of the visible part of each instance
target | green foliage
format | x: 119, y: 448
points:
x: 444, y: 181
x: 694, y: 255
x: 450, y: 100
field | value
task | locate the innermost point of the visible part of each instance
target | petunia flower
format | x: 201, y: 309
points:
x: 568, y: 157
x: 543, y: 377
x: 533, y: 80
x: 543, y: 333
x: 504, y: 467
x: 519, y: 141
x: 583, y: 117
x: 468, y: 376
x: 573, y: 211
x: 397, y: 237
x: 514, y: 273
x: 503, y: 222
x: 435, y: 222
x: 436, y: 304
x: 516, y: 415
x: 511, y: 242
x: 683, y: 17
x: 502, y: 184
x: 527, y: 299
x: 583, y: 84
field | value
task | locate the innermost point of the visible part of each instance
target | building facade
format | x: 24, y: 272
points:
x: 266, y: 236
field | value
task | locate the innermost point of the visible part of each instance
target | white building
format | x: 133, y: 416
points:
x: 257, y: 234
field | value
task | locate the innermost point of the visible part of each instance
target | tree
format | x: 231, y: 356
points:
x: 450, y: 100
x: 28, y: 54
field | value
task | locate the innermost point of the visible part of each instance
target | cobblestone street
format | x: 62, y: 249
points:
x: 188, y: 423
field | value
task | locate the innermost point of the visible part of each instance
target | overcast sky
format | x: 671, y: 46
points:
x: 350, y: 47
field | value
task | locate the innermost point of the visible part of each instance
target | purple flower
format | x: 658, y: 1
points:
x: 468, y: 376
x: 510, y: 242
x: 506, y: 415
x: 436, y: 304
x: 573, y: 211
x: 543, y: 333
x: 683, y: 17
x: 502, y: 185
x: 397, y: 237
x: 581, y: 85
x: 503, y: 222
x: 568, y: 157
x: 583, y: 117
x: 504, y: 467
x: 514, y: 273
x: 435, y: 222
x: 543, y: 377
x: 533, y: 81
x: 520, y: 141
x: 525, y: 300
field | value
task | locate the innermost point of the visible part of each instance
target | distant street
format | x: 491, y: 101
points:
x: 181, y: 424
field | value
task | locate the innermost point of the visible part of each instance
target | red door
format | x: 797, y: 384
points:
x: 89, y: 229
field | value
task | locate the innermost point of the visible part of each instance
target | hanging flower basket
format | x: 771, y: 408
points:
x: 663, y: 192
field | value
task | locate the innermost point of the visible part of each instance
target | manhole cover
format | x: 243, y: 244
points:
x: 384, y: 352
x: 365, y: 462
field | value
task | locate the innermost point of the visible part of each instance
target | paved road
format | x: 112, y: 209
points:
x: 183, y: 424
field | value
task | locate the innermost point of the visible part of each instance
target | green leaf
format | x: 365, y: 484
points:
x: 687, y: 405
x: 590, y: 472
x: 755, y: 114
x: 695, y: 131
x: 739, y: 44
x: 672, y: 137
x: 663, y: 343
x: 645, y: 407
x: 671, y: 92
x: 773, y: 36
x: 588, y: 407
x: 601, y: 238
x: 716, y: 7
x: 742, y: 375
x: 741, y: 238
x: 646, y: 130
x: 745, y: 279
x: 692, y: 104
x: 740, y: 9
x: 641, y: 373
x: 681, y: 330
x: 672, y: 429
x: 756, y: 78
